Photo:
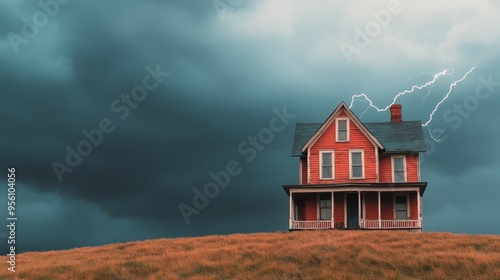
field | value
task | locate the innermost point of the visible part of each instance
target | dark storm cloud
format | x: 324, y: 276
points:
x: 226, y: 76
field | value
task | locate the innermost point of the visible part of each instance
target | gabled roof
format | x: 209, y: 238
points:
x: 394, y: 137
x: 342, y: 107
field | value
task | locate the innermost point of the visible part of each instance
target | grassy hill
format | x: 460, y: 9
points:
x: 296, y: 255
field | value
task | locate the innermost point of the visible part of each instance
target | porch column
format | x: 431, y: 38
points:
x: 291, y: 211
x: 379, y: 214
x: 419, y: 211
x: 333, y: 216
x: 359, y: 208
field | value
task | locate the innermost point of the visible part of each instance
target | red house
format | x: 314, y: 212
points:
x: 357, y: 175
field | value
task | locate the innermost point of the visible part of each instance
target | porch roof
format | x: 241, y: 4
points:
x: 362, y: 186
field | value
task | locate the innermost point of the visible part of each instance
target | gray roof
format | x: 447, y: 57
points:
x: 399, y: 137
x: 395, y: 137
x: 303, y: 132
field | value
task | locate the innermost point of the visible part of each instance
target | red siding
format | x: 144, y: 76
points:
x: 338, y: 206
x: 311, y: 207
x: 387, y: 204
x: 357, y: 140
x: 413, y: 206
x: 303, y: 162
x: 412, y: 168
x: 301, y: 210
x: 385, y: 169
x: 371, y: 205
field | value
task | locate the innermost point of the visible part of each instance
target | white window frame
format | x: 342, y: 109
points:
x: 404, y: 168
x: 321, y: 164
x: 337, y: 129
x: 362, y: 164
x: 407, y: 205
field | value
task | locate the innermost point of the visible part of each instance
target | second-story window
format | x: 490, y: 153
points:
x: 326, y: 163
x: 398, y: 169
x: 356, y: 159
x: 342, y: 130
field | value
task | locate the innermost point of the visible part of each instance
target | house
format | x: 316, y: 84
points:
x: 357, y: 175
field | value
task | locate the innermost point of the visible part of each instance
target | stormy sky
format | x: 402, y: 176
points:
x: 114, y: 113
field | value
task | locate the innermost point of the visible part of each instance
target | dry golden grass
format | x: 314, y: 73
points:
x: 299, y: 255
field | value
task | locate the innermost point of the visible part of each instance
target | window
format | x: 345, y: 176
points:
x: 326, y: 171
x: 357, y: 171
x: 401, y: 207
x: 342, y: 130
x: 325, y: 206
x: 398, y: 169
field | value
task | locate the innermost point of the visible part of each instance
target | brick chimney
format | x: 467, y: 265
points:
x: 396, y: 113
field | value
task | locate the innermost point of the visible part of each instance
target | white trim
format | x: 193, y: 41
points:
x: 355, y: 189
x: 317, y: 207
x: 332, y: 117
x: 379, y: 210
x: 404, y: 167
x: 363, y: 198
x: 308, y: 166
x: 394, y: 195
x: 291, y: 216
x: 419, y: 211
x: 333, y: 210
x: 359, y: 208
x: 362, y: 163
x: 321, y: 164
x: 377, y: 164
x: 337, y: 129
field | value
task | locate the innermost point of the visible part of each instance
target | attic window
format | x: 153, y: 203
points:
x: 342, y: 130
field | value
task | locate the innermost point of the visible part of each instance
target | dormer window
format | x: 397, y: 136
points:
x: 342, y: 130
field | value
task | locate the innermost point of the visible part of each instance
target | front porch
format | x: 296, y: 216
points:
x: 363, y: 224
x: 374, y: 206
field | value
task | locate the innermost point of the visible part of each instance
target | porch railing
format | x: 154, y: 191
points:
x: 311, y: 224
x: 389, y: 224
x: 365, y: 224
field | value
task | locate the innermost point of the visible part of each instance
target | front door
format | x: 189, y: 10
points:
x: 352, y: 210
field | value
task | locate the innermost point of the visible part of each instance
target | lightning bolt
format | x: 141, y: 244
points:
x: 358, y: 97
x: 426, y: 72
x: 450, y: 89
x: 364, y: 97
